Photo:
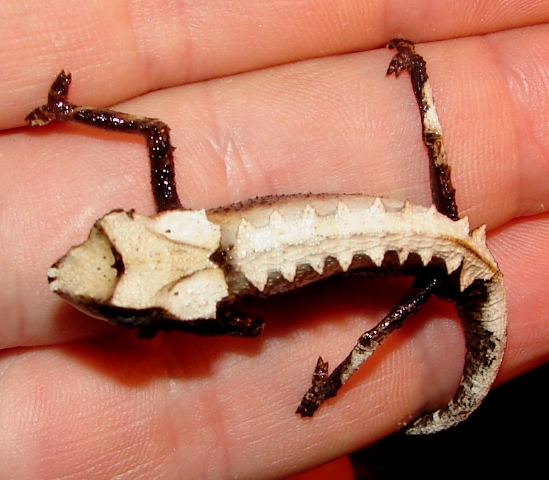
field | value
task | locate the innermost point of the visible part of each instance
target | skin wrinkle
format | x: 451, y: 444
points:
x: 500, y: 68
x: 214, y: 132
x: 150, y: 42
x: 173, y: 370
x: 245, y: 100
x: 224, y: 141
x: 211, y: 407
x: 234, y: 167
x: 447, y: 331
x: 218, y: 50
x: 490, y: 84
x: 397, y: 15
x: 127, y: 22
x: 529, y: 145
x: 214, y: 411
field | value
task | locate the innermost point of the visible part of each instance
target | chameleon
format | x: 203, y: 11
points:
x: 185, y: 270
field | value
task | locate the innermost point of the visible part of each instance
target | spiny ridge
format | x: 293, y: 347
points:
x: 304, y: 237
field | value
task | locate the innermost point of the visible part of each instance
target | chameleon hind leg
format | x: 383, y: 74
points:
x: 325, y: 386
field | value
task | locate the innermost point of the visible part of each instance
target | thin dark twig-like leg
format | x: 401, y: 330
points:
x: 442, y: 191
x: 443, y: 195
x: 155, y: 132
x: 325, y: 386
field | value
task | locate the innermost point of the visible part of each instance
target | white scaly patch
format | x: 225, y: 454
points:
x: 86, y: 270
x: 315, y: 228
x: 430, y: 117
x: 166, y: 264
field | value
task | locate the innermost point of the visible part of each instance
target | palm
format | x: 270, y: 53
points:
x: 336, y: 124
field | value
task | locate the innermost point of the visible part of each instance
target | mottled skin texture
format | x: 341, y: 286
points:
x: 481, y: 305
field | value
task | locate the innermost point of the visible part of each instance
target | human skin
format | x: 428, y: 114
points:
x: 82, y: 399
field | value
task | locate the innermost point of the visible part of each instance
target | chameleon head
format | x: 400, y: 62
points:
x: 136, y: 262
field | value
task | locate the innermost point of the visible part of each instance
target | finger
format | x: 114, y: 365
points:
x: 522, y: 257
x: 142, y: 46
x: 332, y: 125
x: 135, y: 406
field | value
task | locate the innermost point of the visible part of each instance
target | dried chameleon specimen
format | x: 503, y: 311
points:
x: 183, y: 269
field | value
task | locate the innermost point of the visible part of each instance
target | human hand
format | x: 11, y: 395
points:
x: 96, y: 401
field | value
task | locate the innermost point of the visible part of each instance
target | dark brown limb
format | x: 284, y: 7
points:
x: 155, y: 132
x: 442, y: 191
x: 443, y: 194
x: 325, y: 387
x: 149, y: 322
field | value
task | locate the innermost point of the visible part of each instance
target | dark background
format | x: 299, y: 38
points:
x: 505, y: 438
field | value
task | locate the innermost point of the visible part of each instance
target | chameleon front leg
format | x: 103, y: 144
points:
x: 147, y: 322
x: 229, y: 321
x: 155, y: 132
